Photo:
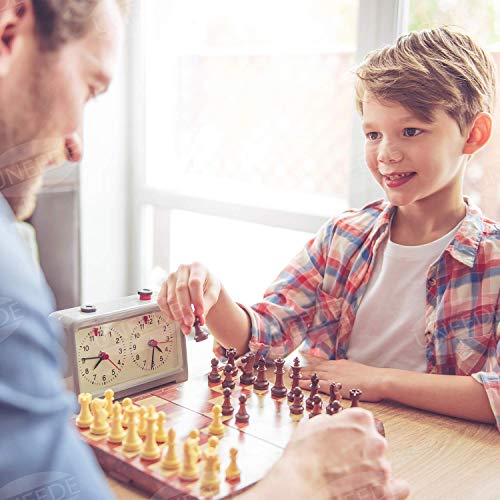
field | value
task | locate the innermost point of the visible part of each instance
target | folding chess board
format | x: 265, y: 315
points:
x: 260, y: 442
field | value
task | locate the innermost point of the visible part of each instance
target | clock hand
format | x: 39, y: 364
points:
x: 91, y: 357
x: 98, y: 363
x: 156, y: 347
x: 119, y: 369
x: 152, y: 358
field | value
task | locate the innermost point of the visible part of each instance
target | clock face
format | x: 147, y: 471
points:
x: 127, y: 353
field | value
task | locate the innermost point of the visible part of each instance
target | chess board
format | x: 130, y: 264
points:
x: 260, y: 442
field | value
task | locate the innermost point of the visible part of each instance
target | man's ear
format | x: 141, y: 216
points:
x: 479, y: 134
x: 15, y: 17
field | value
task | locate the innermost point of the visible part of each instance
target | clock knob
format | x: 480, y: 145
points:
x: 88, y: 308
x: 145, y: 294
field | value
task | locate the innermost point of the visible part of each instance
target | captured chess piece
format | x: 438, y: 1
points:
x: 314, y: 387
x: 297, y: 408
x: 199, y: 333
x: 233, y: 472
x: 228, y: 377
x: 261, y: 383
x: 85, y: 417
x: 214, y: 375
x: 170, y: 460
x: 231, y: 360
x: 355, y: 394
x: 296, y: 376
x: 242, y: 417
x: 279, y: 390
x: 248, y: 376
x: 317, y: 406
x: 227, y: 407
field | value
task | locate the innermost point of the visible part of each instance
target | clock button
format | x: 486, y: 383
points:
x: 88, y: 308
x: 145, y: 294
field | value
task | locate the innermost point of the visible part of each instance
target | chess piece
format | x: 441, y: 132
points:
x: 210, y: 478
x: 279, y: 390
x: 248, y: 377
x: 85, y: 417
x: 233, y: 472
x: 161, y: 434
x: 337, y: 387
x: 317, y: 406
x: 355, y: 394
x: 127, y: 402
x: 228, y: 377
x: 199, y: 333
x: 329, y: 406
x: 189, y: 469
x: 194, y: 435
x: 214, y: 375
x: 216, y: 428
x: 297, y: 408
x: 132, y: 441
x: 141, y: 429
x: 108, y: 396
x: 336, y: 407
x: 227, y: 407
x: 242, y: 417
x: 296, y: 376
x: 213, y: 443
x: 170, y: 460
x: 231, y: 360
x: 261, y: 383
x: 100, y: 424
x: 117, y: 432
x: 314, y: 387
x: 150, y: 450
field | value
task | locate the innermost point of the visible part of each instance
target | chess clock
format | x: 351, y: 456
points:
x: 126, y: 345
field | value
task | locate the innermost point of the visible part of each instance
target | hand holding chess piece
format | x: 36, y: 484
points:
x: 359, y: 463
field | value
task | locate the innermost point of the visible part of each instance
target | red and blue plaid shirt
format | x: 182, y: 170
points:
x: 314, y: 300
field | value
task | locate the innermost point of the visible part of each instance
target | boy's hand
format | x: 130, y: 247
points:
x: 189, y: 285
x: 350, y: 374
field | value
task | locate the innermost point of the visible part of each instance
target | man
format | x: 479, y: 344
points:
x: 54, y: 56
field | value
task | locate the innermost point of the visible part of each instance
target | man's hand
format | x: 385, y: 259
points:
x: 351, y: 374
x: 189, y: 285
x: 333, y: 457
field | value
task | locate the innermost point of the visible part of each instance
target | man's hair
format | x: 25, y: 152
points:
x: 441, y: 68
x: 59, y: 21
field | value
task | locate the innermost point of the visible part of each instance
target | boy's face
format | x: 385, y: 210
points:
x: 413, y: 161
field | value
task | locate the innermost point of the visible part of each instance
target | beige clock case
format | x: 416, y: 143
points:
x: 73, y: 320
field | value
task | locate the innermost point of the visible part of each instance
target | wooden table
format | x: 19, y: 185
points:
x: 441, y: 457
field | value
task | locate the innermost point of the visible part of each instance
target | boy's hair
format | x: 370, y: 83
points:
x: 431, y: 69
x: 59, y: 21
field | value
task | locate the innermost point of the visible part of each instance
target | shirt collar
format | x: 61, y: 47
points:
x: 465, y: 244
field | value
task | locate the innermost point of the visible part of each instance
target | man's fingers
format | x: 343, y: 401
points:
x: 197, y: 278
x: 183, y: 295
x: 399, y: 489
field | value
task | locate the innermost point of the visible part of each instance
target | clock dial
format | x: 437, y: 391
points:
x: 152, y: 341
x: 101, y: 355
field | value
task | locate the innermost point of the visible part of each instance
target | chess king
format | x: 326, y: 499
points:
x: 56, y: 55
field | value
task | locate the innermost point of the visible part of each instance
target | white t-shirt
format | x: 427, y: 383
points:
x: 390, y: 322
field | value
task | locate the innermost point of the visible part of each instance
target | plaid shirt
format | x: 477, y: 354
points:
x: 314, y: 300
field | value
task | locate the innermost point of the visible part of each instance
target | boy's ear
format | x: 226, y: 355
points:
x: 15, y: 15
x: 479, y: 134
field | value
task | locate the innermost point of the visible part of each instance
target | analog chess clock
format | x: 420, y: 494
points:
x: 126, y: 345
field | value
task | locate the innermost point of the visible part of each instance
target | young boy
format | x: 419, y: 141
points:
x: 401, y: 297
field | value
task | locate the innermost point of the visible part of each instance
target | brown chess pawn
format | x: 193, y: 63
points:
x: 355, y: 394
x: 297, y: 408
x: 214, y: 375
x: 248, y: 376
x: 279, y: 390
x: 261, y: 384
x: 227, y: 407
x: 317, y: 406
x: 314, y: 390
x: 231, y: 360
x: 337, y: 387
x: 199, y: 333
x: 228, y: 377
x: 336, y: 407
x: 242, y: 417
x: 296, y: 376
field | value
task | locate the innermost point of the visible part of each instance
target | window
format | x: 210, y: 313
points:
x: 480, y: 18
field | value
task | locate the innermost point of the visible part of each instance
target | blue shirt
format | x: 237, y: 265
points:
x: 41, y: 454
